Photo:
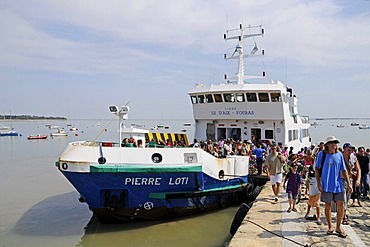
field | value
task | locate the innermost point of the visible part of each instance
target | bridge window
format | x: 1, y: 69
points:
x: 218, y: 97
x: 239, y: 97
x: 194, y: 99
x: 263, y: 97
x: 275, y: 97
x: 201, y: 99
x: 209, y: 98
x: 251, y: 97
x: 229, y: 97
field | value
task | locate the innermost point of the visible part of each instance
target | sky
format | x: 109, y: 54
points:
x: 75, y: 58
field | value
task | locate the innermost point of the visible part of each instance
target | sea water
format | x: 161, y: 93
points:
x: 39, y: 207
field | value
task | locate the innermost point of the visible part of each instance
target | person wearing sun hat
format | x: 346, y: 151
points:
x: 332, y: 166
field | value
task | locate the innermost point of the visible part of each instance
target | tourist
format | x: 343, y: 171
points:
x: 291, y: 153
x: 210, y: 147
x: 168, y: 143
x: 294, y: 183
x: 215, y: 150
x: 139, y: 143
x: 308, y: 161
x: 274, y: 167
x: 351, y: 164
x: 285, y: 152
x: 313, y: 194
x: 124, y: 142
x: 364, y: 162
x: 259, y: 152
x: 317, y: 149
x: 330, y: 183
x: 228, y: 148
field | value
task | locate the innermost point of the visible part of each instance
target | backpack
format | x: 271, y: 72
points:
x: 322, y: 162
x: 311, y: 171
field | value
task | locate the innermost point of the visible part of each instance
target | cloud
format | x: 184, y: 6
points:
x: 178, y: 42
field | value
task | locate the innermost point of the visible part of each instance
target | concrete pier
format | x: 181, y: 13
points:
x: 269, y: 224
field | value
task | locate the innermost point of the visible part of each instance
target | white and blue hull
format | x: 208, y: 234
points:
x: 131, y: 186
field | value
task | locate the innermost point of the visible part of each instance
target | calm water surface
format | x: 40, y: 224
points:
x: 39, y: 207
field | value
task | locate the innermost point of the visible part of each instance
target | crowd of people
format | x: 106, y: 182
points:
x: 331, y: 174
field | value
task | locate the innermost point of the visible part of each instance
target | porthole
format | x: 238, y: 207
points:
x: 157, y: 158
x: 64, y: 166
x: 221, y: 174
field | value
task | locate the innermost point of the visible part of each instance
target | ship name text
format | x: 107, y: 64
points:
x: 137, y: 181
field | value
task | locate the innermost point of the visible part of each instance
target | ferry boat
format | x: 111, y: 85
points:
x: 121, y: 182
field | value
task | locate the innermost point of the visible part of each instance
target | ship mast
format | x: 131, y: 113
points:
x: 239, y: 49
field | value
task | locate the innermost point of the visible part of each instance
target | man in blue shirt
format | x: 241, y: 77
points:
x: 259, y: 152
x: 329, y: 182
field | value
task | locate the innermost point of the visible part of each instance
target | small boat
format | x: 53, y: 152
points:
x: 60, y: 132
x: 363, y: 127
x: 36, y: 137
x: 340, y: 125
x: 315, y: 124
x: 3, y: 127
x: 355, y: 124
x: 10, y: 133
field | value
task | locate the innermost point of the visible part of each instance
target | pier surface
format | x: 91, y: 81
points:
x: 269, y: 224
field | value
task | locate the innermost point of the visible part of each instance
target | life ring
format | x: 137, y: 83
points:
x: 239, y: 217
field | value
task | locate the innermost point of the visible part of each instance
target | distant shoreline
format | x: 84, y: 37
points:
x: 28, y: 117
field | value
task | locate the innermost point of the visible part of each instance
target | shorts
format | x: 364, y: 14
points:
x: 328, y: 197
x: 314, y: 201
x: 274, y: 179
x: 292, y: 196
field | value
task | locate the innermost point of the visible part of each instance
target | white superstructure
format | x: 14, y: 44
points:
x: 245, y: 110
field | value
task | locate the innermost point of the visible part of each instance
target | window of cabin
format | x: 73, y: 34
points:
x: 269, y: 134
x: 229, y: 97
x: 251, y: 97
x: 239, y: 97
x: 275, y: 97
x: 209, y: 98
x: 218, y: 97
x: 201, y: 99
x: 263, y: 97
x: 194, y: 99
